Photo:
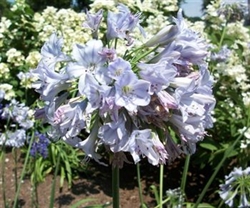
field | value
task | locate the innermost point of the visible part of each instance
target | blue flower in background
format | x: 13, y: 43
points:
x: 40, y: 145
x: 236, y: 190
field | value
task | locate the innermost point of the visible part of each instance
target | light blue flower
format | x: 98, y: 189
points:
x: 131, y: 92
x: 13, y: 139
x: 52, y: 51
x: 94, y: 92
x: 163, y: 37
x: 236, y: 190
x: 18, y: 113
x: 67, y: 120
x: 118, y: 67
x: 115, y: 134
x: 86, y: 58
x: 121, y: 24
x: 222, y: 55
x: 145, y: 143
x: 158, y: 74
x: 93, y: 21
x: 49, y: 82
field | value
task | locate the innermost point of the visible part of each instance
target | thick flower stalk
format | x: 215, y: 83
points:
x: 129, y: 103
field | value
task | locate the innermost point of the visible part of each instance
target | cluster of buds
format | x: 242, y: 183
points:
x: 132, y: 103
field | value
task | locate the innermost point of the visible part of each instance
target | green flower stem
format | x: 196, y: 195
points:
x: 222, y: 36
x: 227, y: 152
x: 137, y: 59
x: 53, y: 188
x: 3, y: 174
x: 184, y: 174
x: 23, y: 171
x: 115, y: 186
x: 15, y: 170
x: 139, y: 184
x: 161, y: 185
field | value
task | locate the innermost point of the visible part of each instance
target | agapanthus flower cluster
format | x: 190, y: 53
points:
x: 130, y: 103
x: 233, y: 11
x: 236, y: 190
x: 16, y: 119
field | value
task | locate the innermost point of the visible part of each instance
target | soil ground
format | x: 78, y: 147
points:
x: 95, y: 184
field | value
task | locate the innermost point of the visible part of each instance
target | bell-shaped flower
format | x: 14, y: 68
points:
x: 192, y: 130
x: 13, y: 139
x: 94, y: 92
x: 52, y: 51
x: 158, y: 74
x: 115, y: 134
x: 93, y: 21
x: 172, y: 148
x: 49, y: 82
x: 131, y: 92
x: 167, y: 100
x: 193, y: 47
x: 145, y: 143
x: 108, y: 54
x: 109, y: 108
x: 237, y: 180
x: 121, y: 24
x: 87, y: 58
x: 118, y: 67
x: 68, y: 119
x: 89, y: 145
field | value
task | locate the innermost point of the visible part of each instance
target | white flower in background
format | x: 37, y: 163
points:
x: 27, y: 79
x: 33, y: 58
x: 4, y: 71
x: 245, y: 142
x: 100, y: 4
x: 18, y: 4
x: 15, y: 57
x: 4, y: 25
x: 8, y: 91
x: 237, y: 72
x: 246, y: 98
x: 65, y: 22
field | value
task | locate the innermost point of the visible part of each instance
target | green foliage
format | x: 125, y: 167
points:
x: 21, y: 25
x: 39, y: 5
x: 69, y: 168
x: 4, y: 8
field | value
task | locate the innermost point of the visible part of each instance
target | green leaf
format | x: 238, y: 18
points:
x: 209, y: 146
